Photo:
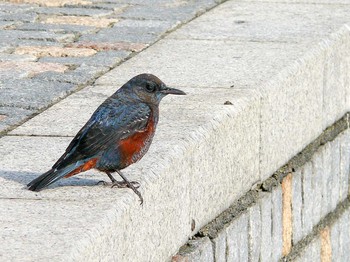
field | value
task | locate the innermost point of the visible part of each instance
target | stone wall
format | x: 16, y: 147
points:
x: 301, y: 213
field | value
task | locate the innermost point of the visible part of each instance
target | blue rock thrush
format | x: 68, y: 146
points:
x: 118, y: 134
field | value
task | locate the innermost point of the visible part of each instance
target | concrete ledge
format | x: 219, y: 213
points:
x: 284, y: 91
x: 286, y: 223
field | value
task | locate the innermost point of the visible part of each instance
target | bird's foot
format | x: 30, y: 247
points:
x: 133, y: 185
x: 119, y: 184
x: 123, y: 184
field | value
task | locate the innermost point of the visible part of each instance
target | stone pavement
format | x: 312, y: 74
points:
x: 282, y: 66
x: 49, y: 49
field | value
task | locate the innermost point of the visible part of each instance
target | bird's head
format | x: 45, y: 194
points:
x: 150, y: 88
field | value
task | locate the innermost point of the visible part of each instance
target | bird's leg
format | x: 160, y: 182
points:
x: 129, y: 184
x: 120, y: 184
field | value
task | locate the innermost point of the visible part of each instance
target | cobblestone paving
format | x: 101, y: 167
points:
x: 50, y: 48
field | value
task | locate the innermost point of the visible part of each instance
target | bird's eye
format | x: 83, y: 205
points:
x: 150, y: 88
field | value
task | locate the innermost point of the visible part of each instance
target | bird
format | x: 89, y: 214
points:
x: 118, y: 134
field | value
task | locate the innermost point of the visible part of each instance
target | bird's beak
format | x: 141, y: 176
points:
x: 167, y: 90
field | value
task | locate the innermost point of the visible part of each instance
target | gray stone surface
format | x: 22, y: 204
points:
x: 312, y: 252
x: 13, y: 57
x: 134, y: 31
x: 327, y: 165
x: 58, y: 29
x: 195, y: 62
x: 277, y: 226
x: 340, y: 238
x: 172, y: 11
x: 345, y: 234
x: 277, y: 89
x: 266, y: 22
x: 24, y: 25
x: 12, y: 116
x: 237, y: 239
x: 76, y: 11
x: 200, y: 250
x: 219, y: 246
x: 266, y: 228
x: 83, y: 75
x: 104, y: 58
x: 317, y: 177
x: 254, y: 233
x: 335, y: 175
x: 297, y: 206
x: 336, y: 76
x: 345, y: 164
x: 336, y: 241
x: 307, y: 198
x: 32, y: 94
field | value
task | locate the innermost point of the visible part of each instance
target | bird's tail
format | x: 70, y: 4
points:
x: 48, y: 178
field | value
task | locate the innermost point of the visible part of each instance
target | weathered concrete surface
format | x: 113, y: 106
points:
x: 205, y: 154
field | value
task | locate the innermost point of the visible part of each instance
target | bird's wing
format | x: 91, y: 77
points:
x: 111, y: 122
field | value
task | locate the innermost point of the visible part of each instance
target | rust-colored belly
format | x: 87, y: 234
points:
x: 134, y: 147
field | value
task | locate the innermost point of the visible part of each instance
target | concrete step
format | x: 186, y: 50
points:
x: 283, y: 66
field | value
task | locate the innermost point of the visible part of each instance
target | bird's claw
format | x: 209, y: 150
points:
x: 123, y: 184
x: 133, y: 185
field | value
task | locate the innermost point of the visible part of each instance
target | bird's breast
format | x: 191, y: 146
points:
x: 134, y: 147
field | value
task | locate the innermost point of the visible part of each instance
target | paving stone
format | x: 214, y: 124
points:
x: 5, y: 24
x: 10, y: 116
x: 54, y: 51
x: 237, y: 239
x: 25, y: 42
x: 167, y: 12
x: 32, y: 94
x: 31, y: 68
x: 82, y: 75
x: 139, y: 31
x: 52, y: 3
x: 23, y: 17
x: 75, y: 109
x: 11, y: 35
x: 102, y: 58
x: 14, y: 57
x: 254, y: 233
x: 106, y: 46
x: 58, y: 29
x: 79, y: 20
x: 76, y: 11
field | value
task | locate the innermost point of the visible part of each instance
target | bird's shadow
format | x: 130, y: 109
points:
x: 23, y: 178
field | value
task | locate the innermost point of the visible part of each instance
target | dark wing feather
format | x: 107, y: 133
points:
x: 111, y: 122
